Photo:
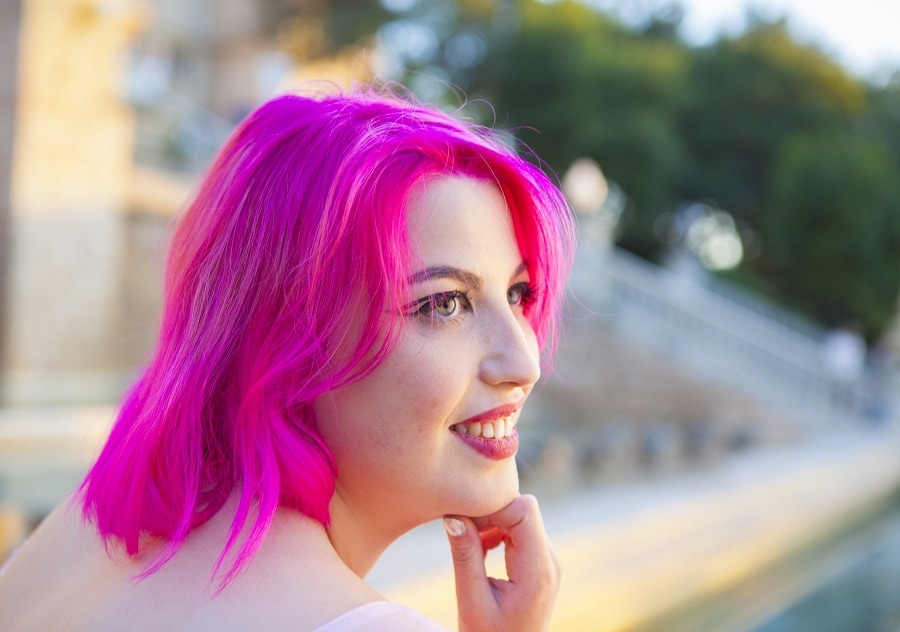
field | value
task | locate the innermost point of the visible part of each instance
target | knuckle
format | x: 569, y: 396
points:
x: 466, y: 555
x: 529, y: 503
x: 526, y: 509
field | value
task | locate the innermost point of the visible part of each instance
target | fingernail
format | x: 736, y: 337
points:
x: 455, y: 527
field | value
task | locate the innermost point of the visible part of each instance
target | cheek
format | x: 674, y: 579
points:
x: 430, y: 383
x: 383, y: 413
x: 410, y: 397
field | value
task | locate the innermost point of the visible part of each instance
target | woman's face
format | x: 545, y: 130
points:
x: 432, y: 430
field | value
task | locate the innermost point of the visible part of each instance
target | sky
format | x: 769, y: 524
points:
x: 863, y: 35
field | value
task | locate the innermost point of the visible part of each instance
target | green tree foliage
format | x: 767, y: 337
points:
x: 884, y: 117
x: 744, y: 97
x: 590, y: 87
x: 782, y: 136
x: 832, y: 227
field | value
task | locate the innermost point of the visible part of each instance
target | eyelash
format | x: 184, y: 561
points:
x: 528, y: 293
x: 426, y: 307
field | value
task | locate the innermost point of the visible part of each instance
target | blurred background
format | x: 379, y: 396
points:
x: 717, y: 448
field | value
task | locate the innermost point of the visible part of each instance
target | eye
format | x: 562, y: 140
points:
x: 521, y: 294
x: 442, y: 306
x: 445, y: 305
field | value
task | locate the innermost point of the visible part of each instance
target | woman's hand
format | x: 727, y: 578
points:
x: 523, y: 602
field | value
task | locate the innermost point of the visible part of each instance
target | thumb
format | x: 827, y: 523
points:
x: 468, y: 561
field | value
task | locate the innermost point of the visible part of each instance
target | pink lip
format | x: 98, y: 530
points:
x: 494, y: 413
x: 498, y: 449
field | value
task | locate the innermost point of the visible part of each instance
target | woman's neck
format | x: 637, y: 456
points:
x: 354, y: 537
x: 358, y: 540
x: 292, y: 537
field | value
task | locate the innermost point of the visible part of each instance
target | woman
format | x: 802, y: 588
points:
x: 355, y: 303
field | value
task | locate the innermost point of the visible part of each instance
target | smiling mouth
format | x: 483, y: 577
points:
x: 488, y: 429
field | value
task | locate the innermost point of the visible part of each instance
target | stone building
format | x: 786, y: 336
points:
x: 117, y: 105
x: 70, y: 180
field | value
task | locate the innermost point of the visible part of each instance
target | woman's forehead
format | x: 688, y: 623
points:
x: 438, y: 202
x: 461, y: 222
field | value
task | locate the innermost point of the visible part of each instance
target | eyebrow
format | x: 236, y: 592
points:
x: 465, y: 277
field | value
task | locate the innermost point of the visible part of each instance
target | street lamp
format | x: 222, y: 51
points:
x: 587, y: 191
x: 585, y: 186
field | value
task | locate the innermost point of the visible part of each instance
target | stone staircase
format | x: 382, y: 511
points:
x: 659, y: 372
x: 613, y: 410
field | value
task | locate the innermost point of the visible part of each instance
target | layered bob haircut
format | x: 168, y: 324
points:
x: 286, y: 279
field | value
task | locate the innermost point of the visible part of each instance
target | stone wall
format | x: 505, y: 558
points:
x: 71, y: 173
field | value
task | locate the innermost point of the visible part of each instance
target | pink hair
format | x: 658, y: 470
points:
x: 279, y: 276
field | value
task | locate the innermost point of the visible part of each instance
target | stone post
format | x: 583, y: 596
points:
x: 71, y: 169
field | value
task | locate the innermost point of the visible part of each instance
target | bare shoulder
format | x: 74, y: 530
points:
x: 63, y: 578
x: 40, y: 573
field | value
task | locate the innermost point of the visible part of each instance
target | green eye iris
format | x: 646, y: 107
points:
x: 446, y: 306
x: 442, y: 306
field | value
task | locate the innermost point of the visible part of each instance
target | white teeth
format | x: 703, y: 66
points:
x: 498, y: 429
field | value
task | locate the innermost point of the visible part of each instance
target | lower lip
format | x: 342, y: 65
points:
x: 497, y: 449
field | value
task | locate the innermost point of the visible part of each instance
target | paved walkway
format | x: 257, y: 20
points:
x: 633, y: 551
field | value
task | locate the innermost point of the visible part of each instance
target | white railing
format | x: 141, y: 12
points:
x: 776, y: 360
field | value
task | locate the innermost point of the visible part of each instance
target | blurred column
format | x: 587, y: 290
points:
x: 587, y: 190
x: 10, y: 17
x: 71, y: 173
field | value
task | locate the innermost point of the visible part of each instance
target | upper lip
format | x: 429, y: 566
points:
x: 494, y: 413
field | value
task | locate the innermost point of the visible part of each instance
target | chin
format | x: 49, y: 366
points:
x: 489, y: 495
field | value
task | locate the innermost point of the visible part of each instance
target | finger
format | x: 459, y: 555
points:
x: 554, y: 557
x: 491, y: 538
x: 527, y: 546
x: 472, y: 588
x: 482, y: 523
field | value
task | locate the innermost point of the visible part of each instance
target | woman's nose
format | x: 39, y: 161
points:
x: 511, y: 353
